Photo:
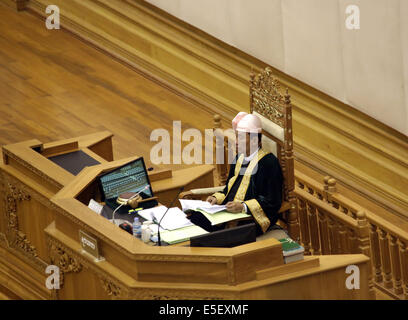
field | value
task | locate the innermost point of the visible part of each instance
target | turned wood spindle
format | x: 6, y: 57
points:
x: 314, y: 231
x: 352, y: 234
x: 364, y: 246
x: 404, y: 266
x: 395, y: 264
x: 375, y: 253
x: 324, y: 232
x: 385, y: 258
x: 332, y: 235
x: 304, y: 225
x: 344, y: 248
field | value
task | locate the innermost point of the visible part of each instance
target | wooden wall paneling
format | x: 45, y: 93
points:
x: 19, y: 277
x: 293, y: 289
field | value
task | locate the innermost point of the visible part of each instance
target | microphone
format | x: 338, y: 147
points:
x: 158, y: 229
x: 113, y: 214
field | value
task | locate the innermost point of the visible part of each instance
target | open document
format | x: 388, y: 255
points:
x: 174, y: 219
x: 216, y: 214
x: 201, y: 205
x: 223, y: 216
x: 181, y: 235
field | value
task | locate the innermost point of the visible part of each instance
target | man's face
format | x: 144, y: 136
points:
x: 246, y: 143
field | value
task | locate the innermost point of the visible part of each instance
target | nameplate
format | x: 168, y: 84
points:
x: 89, y: 244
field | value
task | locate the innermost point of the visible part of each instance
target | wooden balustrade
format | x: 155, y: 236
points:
x: 324, y: 230
x: 389, y: 257
x: 332, y: 224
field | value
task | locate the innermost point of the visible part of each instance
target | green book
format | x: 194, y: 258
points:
x: 292, y: 251
x: 288, y: 244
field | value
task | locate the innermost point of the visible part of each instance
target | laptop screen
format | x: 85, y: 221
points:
x: 131, y: 177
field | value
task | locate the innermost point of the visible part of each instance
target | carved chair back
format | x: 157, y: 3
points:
x: 275, y: 112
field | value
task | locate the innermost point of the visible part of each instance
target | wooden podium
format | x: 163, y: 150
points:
x: 44, y: 220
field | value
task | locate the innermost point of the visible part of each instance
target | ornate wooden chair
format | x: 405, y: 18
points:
x: 275, y: 112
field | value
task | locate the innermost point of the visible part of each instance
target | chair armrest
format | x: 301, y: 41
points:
x: 200, y: 193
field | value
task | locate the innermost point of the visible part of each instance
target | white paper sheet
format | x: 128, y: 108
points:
x: 201, y: 205
x: 174, y: 219
x: 95, y: 206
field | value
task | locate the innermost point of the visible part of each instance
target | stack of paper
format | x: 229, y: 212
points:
x: 174, y: 219
x: 215, y: 213
x: 223, y: 216
x: 180, y: 235
x: 154, y: 228
x: 201, y: 205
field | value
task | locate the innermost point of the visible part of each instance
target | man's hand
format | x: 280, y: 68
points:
x: 234, y: 206
x: 212, y: 200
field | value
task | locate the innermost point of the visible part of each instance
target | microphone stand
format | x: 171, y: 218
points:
x: 158, y: 229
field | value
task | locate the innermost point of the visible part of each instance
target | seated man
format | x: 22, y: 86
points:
x: 255, y: 179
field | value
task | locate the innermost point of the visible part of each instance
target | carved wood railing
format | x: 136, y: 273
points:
x: 333, y: 224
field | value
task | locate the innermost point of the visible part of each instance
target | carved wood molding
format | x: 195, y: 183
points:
x: 265, y: 97
x: 111, y: 287
x: 63, y: 258
x: 70, y: 261
x: 8, y: 178
x: 178, y: 258
x: 3, y: 240
x: 16, y: 238
x: 180, y: 294
x: 29, y: 167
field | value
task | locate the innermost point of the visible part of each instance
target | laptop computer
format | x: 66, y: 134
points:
x: 131, y: 177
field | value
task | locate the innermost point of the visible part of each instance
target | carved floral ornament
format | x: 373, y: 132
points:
x: 67, y: 262
x: 111, y: 288
x: 16, y: 238
x: 266, y: 99
x: 63, y: 260
x: 177, y: 294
